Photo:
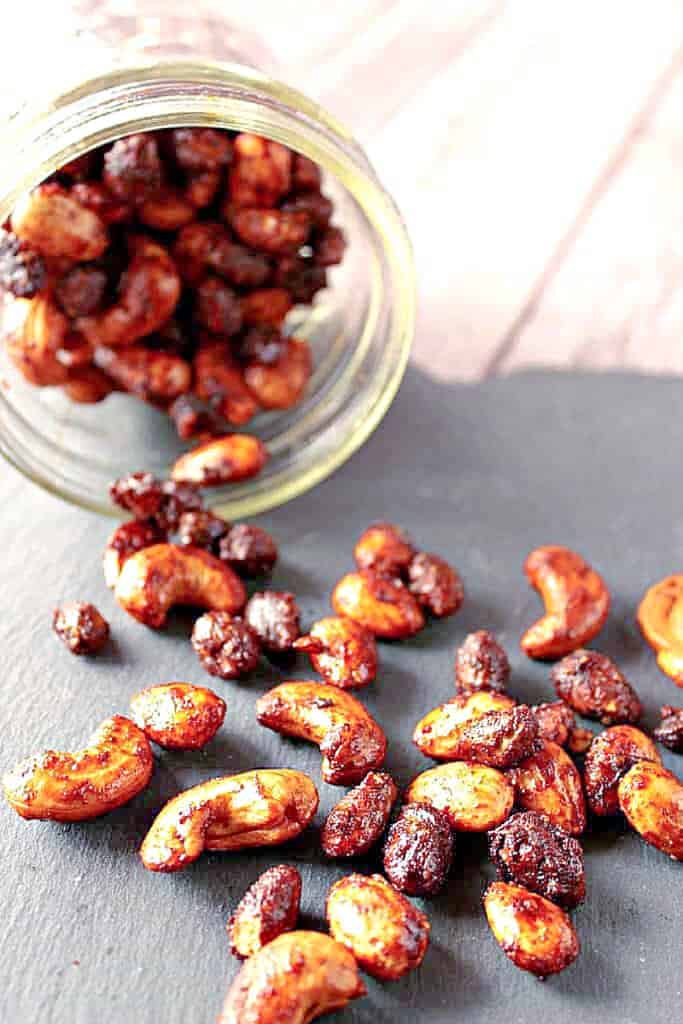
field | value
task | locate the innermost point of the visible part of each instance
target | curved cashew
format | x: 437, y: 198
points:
x: 660, y: 617
x: 114, y: 767
x: 384, y: 606
x: 549, y: 782
x: 154, y: 579
x: 178, y: 716
x: 473, y: 797
x: 264, y: 807
x: 350, y: 740
x: 439, y: 734
x: 652, y: 800
x: 36, y: 338
x: 344, y: 653
x: 295, y: 978
x: 576, y: 598
x: 534, y: 933
x: 223, y: 460
x: 155, y: 377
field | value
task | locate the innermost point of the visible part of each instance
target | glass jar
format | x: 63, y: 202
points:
x: 360, y: 328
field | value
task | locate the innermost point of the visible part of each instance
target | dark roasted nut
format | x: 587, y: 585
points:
x: 271, y: 230
x: 652, y: 800
x: 226, y: 646
x: 201, y: 529
x: 125, y: 541
x: 81, y: 627
x: 344, y: 653
x: 302, y: 278
x: 384, y: 606
x: 138, y: 493
x: 132, y: 168
x: 50, y: 220
x: 499, y: 739
x: 218, y: 307
x: 419, y: 850
x: 529, y: 850
x: 239, y: 265
x: 280, y: 385
x: 269, y: 907
x: 593, y: 686
x: 97, y: 197
x: 22, y: 269
x: 195, y: 418
x: 473, y: 797
x: 435, y: 584
x: 222, y: 460
x: 385, y: 548
x: 249, y: 550
x: 219, y: 380
x: 318, y: 207
x: 167, y: 209
x: 533, y: 932
x: 305, y: 173
x: 611, y: 754
x: 262, y: 345
x: 670, y: 730
x: 267, y: 306
x: 350, y: 740
x: 357, y: 822
x: 177, y: 499
x: 155, y: 377
x: 439, y: 733
x: 207, y: 246
x: 201, y: 149
x: 261, y: 171
x: 549, y: 782
x: 274, y: 616
x: 329, y: 247
x: 659, y: 617
x: 88, y: 385
x: 81, y: 290
x: 481, y: 664
x: 178, y: 716
x: 555, y: 721
x: 387, y: 935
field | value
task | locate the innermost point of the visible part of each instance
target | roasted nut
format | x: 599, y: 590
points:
x: 268, y: 908
x: 357, y: 822
x: 260, y: 173
x: 201, y: 149
x: 385, y: 548
x: 549, y: 782
x: 141, y: 494
x: 384, y: 606
x: 219, y: 381
x: 579, y: 740
x: 499, y: 739
x: 226, y: 646
x: 659, y: 617
x: 96, y: 197
x: 218, y: 307
x: 264, y: 807
x: 222, y: 460
x: 529, y: 850
x: 88, y: 385
x: 249, y: 550
x: 295, y: 978
x: 132, y: 168
x: 280, y: 385
x: 670, y: 730
x: 473, y: 797
x: 350, y: 740
x: 329, y: 247
x: 555, y: 721
x: 594, y: 687
x: 37, y: 345
x: 155, y: 377
x: 22, y: 269
x: 267, y: 306
x: 534, y: 933
x: 576, y: 600
x: 438, y: 734
x: 53, y: 222
x: 176, y: 500
x: 274, y: 617
x: 435, y: 584
x: 652, y: 800
x: 195, y: 418
x: 200, y: 528
x: 167, y: 209
x: 611, y: 754
x: 114, y: 767
x: 81, y: 627
x: 481, y: 664
x: 318, y: 207
x: 419, y: 850
x: 271, y: 231
x: 261, y: 344
x: 387, y: 935
x: 202, y: 247
x: 178, y: 716
x: 81, y: 290
x: 344, y: 653
x: 302, y: 278
x: 305, y: 173
x: 158, y: 577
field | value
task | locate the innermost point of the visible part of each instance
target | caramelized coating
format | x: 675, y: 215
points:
x: 499, y: 739
x: 167, y: 209
x: 80, y: 291
x: 223, y: 460
x: 438, y: 734
x: 271, y: 231
x: 81, y: 627
x: 281, y: 384
x: 274, y: 616
x: 529, y: 850
x: 218, y: 307
x: 132, y: 168
x: 383, y: 606
x: 96, y: 197
x: 659, y: 617
x: 248, y: 550
x: 264, y: 807
x: 156, y: 377
x: 219, y: 381
x: 576, y: 600
x: 207, y: 246
x: 195, y: 418
x: 226, y: 646
x: 594, y: 687
x: 302, y: 278
x: 51, y: 221
x: 670, y: 730
x: 549, y: 782
x: 22, y: 269
x: 357, y: 822
x: 114, y: 766
x: 473, y: 797
x: 295, y: 978
x: 419, y: 850
x: 652, y: 800
x: 387, y: 935
x: 350, y: 740
x: 88, y: 385
x: 344, y: 653
x: 318, y: 207
x: 176, y: 500
x: 267, y: 306
x: 37, y: 346
x: 261, y: 172
x: 481, y: 664
x: 178, y: 716
x: 200, y: 528
x: 611, y: 754
x: 579, y: 740
x: 158, y: 577
x: 201, y: 149
x: 532, y: 932
x: 141, y: 494
x: 555, y: 721
x: 386, y: 548
x: 329, y: 247
x: 435, y: 584
x: 268, y: 908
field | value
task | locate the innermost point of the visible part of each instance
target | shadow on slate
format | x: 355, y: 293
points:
x: 480, y: 473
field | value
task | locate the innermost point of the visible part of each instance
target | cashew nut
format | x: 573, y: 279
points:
x: 384, y: 606
x: 155, y: 377
x: 350, y: 740
x: 440, y: 733
x: 294, y: 979
x: 264, y: 807
x: 178, y: 716
x: 114, y: 767
x: 549, y: 782
x: 268, y: 908
x: 534, y: 933
x: 36, y: 339
x: 56, y: 224
x: 652, y: 800
x: 576, y: 599
x: 281, y: 384
x: 385, y: 548
x: 154, y: 579
x: 222, y: 460
x: 660, y: 617
x: 611, y: 754
x: 474, y: 797
x: 344, y: 653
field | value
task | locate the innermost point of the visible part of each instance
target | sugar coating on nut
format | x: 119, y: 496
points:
x: 81, y: 627
x: 439, y: 733
x: 385, y: 548
x: 652, y: 800
x: 382, y: 605
x: 531, y: 851
x: 611, y: 754
x: 200, y: 528
x: 274, y: 616
x: 435, y: 584
x: 344, y: 653
x: 555, y: 721
x: 669, y: 732
x: 659, y: 617
x: 535, y: 934
x: 125, y: 541
x: 249, y: 550
x: 226, y: 646
x: 221, y: 460
x: 481, y: 664
x: 549, y: 782
x: 178, y: 716
x: 418, y: 850
x: 269, y: 907
x: 593, y: 686
x: 358, y: 821
x: 474, y: 797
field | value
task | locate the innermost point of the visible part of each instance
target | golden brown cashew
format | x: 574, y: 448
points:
x: 264, y: 807
x: 293, y: 979
x: 611, y: 754
x: 178, y: 716
x: 223, y: 460
x: 384, y: 606
x: 114, y: 767
x: 660, y: 617
x: 154, y: 579
x: 534, y: 933
x: 549, y: 782
x: 576, y: 598
x: 35, y: 344
x: 350, y: 740
x: 473, y: 797
x: 652, y: 800
x: 438, y: 734
x: 56, y: 224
